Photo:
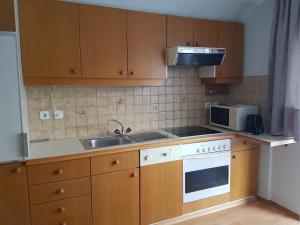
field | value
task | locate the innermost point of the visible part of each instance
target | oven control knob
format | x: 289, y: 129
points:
x: 198, y: 150
x: 214, y: 148
x: 147, y: 157
x: 208, y: 149
x: 224, y: 146
x: 219, y: 147
x: 165, y: 154
x: 203, y: 149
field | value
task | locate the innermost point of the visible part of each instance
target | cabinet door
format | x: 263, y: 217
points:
x: 205, y: 33
x: 180, y: 31
x: 103, y: 42
x: 231, y: 37
x: 7, y: 15
x: 146, y: 35
x: 161, y: 192
x: 49, y: 39
x: 115, y: 198
x: 244, y: 172
x: 14, y: 204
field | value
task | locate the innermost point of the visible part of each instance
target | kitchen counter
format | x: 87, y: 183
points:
x: 59, y: 150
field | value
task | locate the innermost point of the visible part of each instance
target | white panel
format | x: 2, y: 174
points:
x: 10, y: 115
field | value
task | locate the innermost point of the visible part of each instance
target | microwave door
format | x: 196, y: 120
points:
x: 219, y: 116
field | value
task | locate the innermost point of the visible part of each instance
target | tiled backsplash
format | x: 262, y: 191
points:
x: 179, y: 102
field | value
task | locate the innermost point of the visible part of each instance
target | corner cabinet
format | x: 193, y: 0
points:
x: 49, y: 34
x: 14, y: 203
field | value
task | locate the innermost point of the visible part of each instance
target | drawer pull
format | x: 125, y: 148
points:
x: 18, y: 170
x: 61, y: 210
x: 59, y: 172
x: 61, y: 191
x: 234, y: 157
x: 117, y: 162
x: 244, y: 142
x: 63, y: 223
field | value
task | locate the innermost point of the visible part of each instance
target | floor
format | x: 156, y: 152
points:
x: 255, y: 213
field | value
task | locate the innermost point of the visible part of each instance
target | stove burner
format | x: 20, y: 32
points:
x: 191, y: 131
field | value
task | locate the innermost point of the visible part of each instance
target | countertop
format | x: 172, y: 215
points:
x: 58, y: 150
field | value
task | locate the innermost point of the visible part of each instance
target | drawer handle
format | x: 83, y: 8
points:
x: 234, y: 157
x: 61, y: 191
x: 61, y: 210
x: 63, y: 223
x: 117, y: 162
x: 244, y: 142
x: 134, y: 175
x: 18, y: 170
x: 59, y: 172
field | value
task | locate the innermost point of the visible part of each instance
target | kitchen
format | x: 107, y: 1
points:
x: 167, y: 104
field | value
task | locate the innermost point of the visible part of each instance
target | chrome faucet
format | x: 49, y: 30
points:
x: 122, y: 132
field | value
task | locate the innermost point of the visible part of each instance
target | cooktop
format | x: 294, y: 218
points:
x: 191, y: 131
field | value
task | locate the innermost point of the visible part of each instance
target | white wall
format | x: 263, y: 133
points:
x: 258, y: 26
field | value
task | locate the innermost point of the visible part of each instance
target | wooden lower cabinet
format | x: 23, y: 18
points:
x: 115, y: 198
x: 161, y: 192
x: 14, y: 203
x: 244, y: 173
x: 75, y: 211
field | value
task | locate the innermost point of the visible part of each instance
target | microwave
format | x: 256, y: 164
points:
x: 231, y: 116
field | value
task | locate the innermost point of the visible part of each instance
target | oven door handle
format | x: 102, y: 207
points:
x: 208, y: 155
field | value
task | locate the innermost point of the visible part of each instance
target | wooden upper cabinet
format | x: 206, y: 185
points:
x: 103, y: 42
x: 180, y: 31
x: 49, y: 39
x: 205, y: 33
x: 7, y: 16
x: 244, y: 172
x: 146, y: 34
x: 231, y: 37
x: 14, y: 203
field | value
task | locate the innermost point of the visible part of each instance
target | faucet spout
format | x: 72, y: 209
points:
x: 122, y: 132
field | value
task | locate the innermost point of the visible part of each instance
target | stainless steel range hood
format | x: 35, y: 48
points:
x: 195, y: 56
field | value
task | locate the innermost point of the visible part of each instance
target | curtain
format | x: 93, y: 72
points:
x: 284, y: 70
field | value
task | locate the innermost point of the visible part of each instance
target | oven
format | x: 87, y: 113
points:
x: 206, y: 170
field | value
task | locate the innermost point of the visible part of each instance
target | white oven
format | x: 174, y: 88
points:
x: 206, y: 169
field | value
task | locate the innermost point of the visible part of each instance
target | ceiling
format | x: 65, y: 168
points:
x: 231, y: 10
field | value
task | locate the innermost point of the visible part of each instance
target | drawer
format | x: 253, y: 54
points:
x: 75, y: 211
x: 240, y: 144
x: 114, y: 162
x: 58, y: 171
x: 59, y: 190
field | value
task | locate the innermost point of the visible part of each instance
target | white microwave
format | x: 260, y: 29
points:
x: 231, y: 116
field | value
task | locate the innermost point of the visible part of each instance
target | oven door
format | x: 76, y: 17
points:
x: 206, y: 175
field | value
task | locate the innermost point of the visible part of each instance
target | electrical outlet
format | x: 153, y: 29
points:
x: 44, y: 115
x: 58, y: 115
x: 207, y: 105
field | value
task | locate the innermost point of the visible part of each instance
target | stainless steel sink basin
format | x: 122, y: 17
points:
x: 105, y: 142
x: 147, y: 136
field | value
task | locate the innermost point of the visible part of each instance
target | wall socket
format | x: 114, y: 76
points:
x: 207, y: 105
x: 58, y: 115
x: 44, y: 115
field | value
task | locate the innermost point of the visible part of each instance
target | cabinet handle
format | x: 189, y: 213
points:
x: 59, y: 172
x: 61, y: 191
x: 244, y: 142
x: 188, y: 43
x: 134, y: 175
x: 73, y: 71
x: 117, y: 162
x: 63, y: 223
x: 121, y: 72
x: 234, y: 157
x: 196, y: 44
x: 131, y: 73
x: 61, y: 210
x: 18, y: 170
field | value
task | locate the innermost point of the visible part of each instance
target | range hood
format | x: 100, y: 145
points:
x: 195, y: 56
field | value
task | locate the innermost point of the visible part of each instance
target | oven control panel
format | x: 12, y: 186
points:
x: 205, y: 147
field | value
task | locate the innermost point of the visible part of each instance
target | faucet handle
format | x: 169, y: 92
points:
x: 128, y: 130
x: 117, y: 131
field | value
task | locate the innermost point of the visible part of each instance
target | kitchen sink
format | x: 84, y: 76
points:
x: 117, y: 140
x: 147, y: 136
x: 106, y: 141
